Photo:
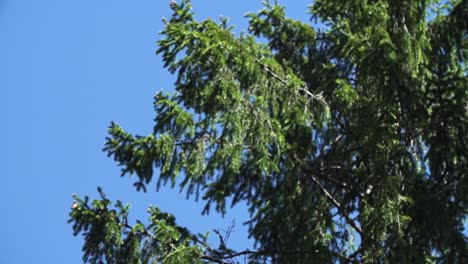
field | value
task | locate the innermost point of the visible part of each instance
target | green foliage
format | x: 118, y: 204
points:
x: 348, y: 143
x: 110, y: 238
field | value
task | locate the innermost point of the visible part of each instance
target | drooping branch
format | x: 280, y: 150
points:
x: 317, y: 97
x: 336, y: 204
x: 221, y: 259
x: 339, y: 184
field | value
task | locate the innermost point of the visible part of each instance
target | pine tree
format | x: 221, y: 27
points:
x: 348, y: 140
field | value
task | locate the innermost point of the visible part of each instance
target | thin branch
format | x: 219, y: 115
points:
x: 317, y: 97
x: 213, y: 259
x: 221, y: 259
x: 337, y: 205
x: 250, y: 252
x: 350, y: 259
x: 341, y: 185
x: 352, y: 256
x: 245, y: 252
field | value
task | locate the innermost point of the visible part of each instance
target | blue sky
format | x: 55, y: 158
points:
x: 68, y: 68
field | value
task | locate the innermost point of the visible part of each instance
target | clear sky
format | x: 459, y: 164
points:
x: 68, y: 68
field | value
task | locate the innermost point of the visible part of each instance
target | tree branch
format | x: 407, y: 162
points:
x: 337, y: 205
x: 221, y: 259
x: 317, y: 97
x: 341, y: 185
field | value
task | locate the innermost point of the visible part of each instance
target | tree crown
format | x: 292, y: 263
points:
x: 347, y: 142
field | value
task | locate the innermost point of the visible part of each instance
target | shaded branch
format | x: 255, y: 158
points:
x: 221, y: 259
x: 341, y: 185
x: 337, y: 205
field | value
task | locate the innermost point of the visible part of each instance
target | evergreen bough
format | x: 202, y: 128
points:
x: 348, y: 141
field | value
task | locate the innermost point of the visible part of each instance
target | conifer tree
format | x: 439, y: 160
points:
x: 348, y: 140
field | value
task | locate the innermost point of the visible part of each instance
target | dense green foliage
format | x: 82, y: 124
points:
x: 347, y: 141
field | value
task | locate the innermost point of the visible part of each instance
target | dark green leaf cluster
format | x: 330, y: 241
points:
x: 347, y: 142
